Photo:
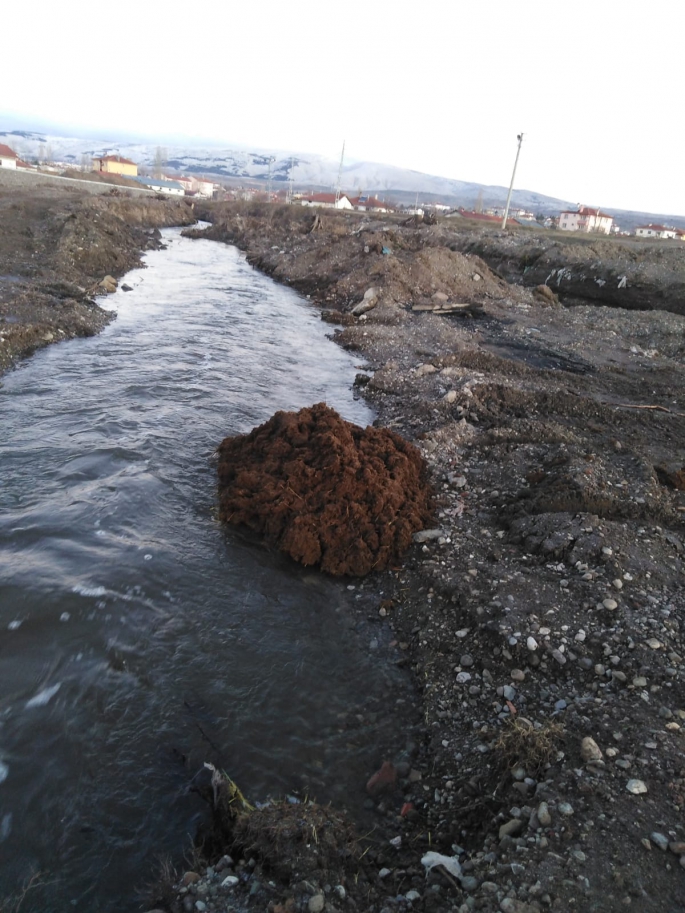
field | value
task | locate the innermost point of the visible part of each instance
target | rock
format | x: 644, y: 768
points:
x: 126, y: 288
x: 677, y: 847
x: 450, y: 396
x: 511, y: 905
x: 316, y: 903
x: 425, y: 535
x: 200, y: 906
x: 190, y: 878
x: 440, y: 296
x: 545, y: 293
x: 340, y: 892
x: 590, y: 750
x: 565, y: 809
x: 610, y: 604
x: 363, y: 307
x: 517, y: 675
x: 230, y: 881
x: 659, y: 840
x: 382, y: 779
x: 108, y: 284
x: 531, y: 643
x: 636, y: 787
x: 412, y: 896
x: 425, y: 369
x: 511, y: 828
x: 543, y: 814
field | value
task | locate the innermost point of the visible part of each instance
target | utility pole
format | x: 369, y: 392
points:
x: 268, y: 185
x: 511, y: 186
x: 337, y: 189
x: 291, y: 181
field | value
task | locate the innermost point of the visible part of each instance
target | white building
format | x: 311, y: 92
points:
x: 586, y: 219
x: 161, y: 185
x: 370, y: 204
x: 8, y: 158
x: 326, y: 200
x: 204, y: 188
x: 655, y: 231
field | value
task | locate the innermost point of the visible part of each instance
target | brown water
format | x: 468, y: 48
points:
x: 137, y: 637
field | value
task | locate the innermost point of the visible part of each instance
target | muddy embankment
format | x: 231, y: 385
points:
x: 543, y: 617
x: 631, y: 274
x: 639, y: 275
x: 57, y: 245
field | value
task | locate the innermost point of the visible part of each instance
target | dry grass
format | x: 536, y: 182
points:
x: 298, y: 839
x: 522, y: 745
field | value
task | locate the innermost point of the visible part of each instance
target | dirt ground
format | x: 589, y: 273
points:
x: 57, y: 243
x: 541, y: 618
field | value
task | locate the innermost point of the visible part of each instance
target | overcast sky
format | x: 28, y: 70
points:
x: 440, y: 87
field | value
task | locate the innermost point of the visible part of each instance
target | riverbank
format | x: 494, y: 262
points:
x: 543, y: 618
x: 58, y: 242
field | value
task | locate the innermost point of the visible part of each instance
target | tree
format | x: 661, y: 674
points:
x: 160, y: 161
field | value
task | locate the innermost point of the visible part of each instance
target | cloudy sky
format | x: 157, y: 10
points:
x: 441, y: 87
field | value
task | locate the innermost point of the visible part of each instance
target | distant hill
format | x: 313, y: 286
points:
x: 308, y: 171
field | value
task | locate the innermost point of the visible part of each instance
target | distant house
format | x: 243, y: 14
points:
x: 115, y: 164
x: 586, y: 219
x: 8, y: 157
x: 326, y: 200
x: 655, y: 231
x: 370, y: 204
x: 161, y: 185
x: 186, y: 182
x: 203, y: 188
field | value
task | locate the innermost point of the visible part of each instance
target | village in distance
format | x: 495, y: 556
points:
x: 121, y: 171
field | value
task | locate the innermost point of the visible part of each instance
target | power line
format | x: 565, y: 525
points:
x: 511, y: 186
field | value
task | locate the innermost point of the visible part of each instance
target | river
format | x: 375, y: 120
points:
x: 138, y: 638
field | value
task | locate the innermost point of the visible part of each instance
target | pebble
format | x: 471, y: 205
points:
x: 559, y: 657
x: 517, y: 675
x: 532, y: 644
x: 617, y: 584
x: 544, y: 816
x: 640, y: 681
x: 653, y: 643
x: 565, y: 809
x: 610, y: 604
x: 466, y: 660
x: 677, y: 847
x: 659, y: 840
x: 200, y: 906
x: 316, y: 903
x: 636, y: 787
x: 230, y: 881
x: 469, y: 883
x: 509, y: 692
x: 411, y: 896
x: 511, y: 828
x: 590, y: 750
x: 463, y: 677
x: 384, y: 873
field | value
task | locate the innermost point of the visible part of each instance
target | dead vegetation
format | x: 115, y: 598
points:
x: 522, y: 744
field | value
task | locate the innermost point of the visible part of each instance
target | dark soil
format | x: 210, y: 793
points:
x: 57, y: 243
x: 548, y: 605
x: 325, y: 491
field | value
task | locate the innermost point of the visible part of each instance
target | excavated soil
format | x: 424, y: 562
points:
x: 325, y: 491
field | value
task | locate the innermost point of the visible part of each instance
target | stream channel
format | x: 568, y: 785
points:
x: 138, y: 638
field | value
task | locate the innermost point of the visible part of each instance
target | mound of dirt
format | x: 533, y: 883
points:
x: 325, y: 491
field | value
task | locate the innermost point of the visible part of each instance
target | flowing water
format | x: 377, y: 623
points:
x: 138, y: 638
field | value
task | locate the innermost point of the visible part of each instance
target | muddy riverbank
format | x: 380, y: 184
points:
x: 57, y: 244
x: 543, y: 617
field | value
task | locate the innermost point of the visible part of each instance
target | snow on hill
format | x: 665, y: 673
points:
x: 309, y: 170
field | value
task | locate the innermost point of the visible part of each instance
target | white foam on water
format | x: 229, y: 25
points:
x: 40, y: 699
x: 89, y: 590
